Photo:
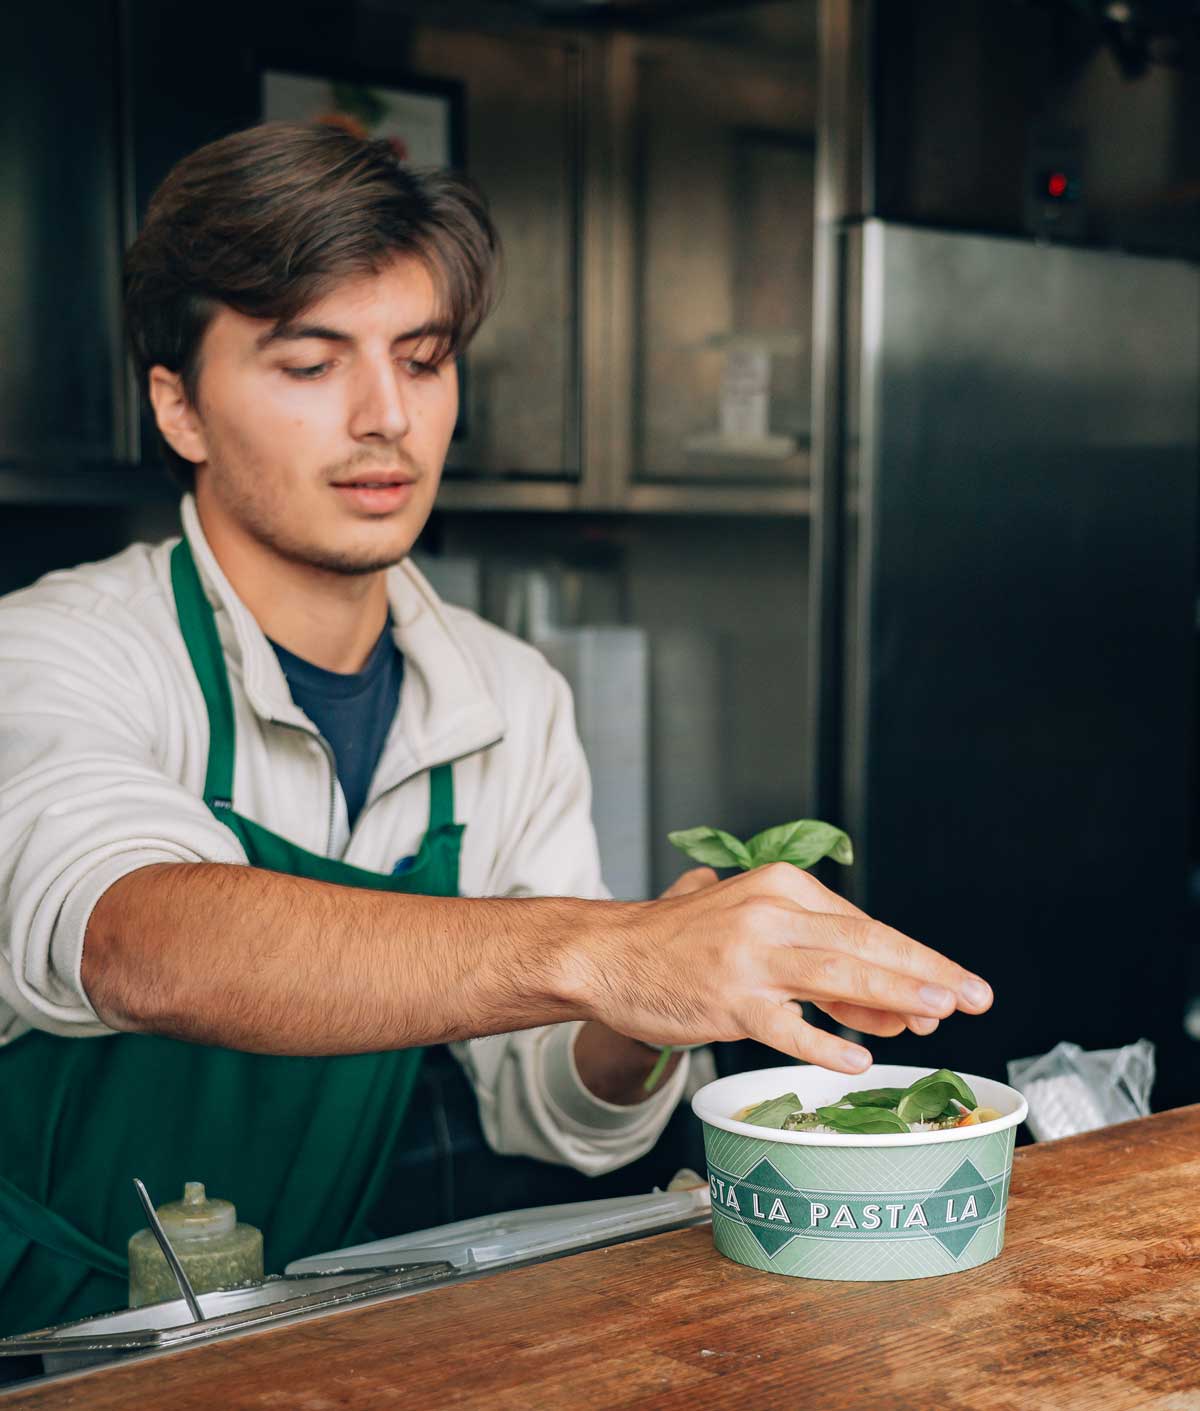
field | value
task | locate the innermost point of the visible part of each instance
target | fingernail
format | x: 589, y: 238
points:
x: 936, y: 997
x: 976, y: 992
x: 857, y: 1058
x: 919, y: 1024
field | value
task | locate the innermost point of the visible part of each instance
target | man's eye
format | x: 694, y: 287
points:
x: 416, y: 368
x: 306, y: 374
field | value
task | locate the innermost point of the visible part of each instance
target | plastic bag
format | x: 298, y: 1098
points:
x: 1070, y: 1090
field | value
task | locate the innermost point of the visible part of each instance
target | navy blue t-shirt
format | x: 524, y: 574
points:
x: 352, y: 710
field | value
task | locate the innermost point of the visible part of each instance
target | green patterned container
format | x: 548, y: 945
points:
x: 825, y: 1205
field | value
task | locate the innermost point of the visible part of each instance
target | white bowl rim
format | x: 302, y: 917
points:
x: 707, y: 1099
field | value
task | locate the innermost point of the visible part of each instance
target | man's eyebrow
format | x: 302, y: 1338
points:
x: 432, y: 329
x: 285, y: 332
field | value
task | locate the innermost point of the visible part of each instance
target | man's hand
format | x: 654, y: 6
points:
x: 862, y: 1018
x: 719, y: 961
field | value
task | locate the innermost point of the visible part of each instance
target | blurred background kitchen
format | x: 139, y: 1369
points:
x: 836, y: 435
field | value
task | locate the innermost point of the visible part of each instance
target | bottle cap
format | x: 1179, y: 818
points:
x: 195, y: 1217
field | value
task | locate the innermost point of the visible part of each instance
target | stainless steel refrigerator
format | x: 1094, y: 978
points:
x: 1019, y: 444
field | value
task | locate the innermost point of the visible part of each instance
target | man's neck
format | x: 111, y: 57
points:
x: 330, y: 619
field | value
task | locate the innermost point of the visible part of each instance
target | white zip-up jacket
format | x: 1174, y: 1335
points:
x: 103, y: 749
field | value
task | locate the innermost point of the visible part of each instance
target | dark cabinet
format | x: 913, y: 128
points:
x: 97, y: 101
x: 61, y: 370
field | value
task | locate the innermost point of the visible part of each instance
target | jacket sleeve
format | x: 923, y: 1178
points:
x: 84, y: 798
x: 532, y: 1101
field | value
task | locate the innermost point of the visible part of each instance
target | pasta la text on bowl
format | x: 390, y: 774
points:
x: 891, y: 1190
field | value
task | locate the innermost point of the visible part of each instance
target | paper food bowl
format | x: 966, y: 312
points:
x: 822, y: 1205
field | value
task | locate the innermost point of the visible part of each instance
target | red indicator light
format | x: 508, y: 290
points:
x: 1056, y: 184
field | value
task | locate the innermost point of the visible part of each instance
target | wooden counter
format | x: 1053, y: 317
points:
x: 1093, y: 1304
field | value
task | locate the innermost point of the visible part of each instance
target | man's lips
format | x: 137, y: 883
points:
x: 374, y: 478
x: 376, y: 492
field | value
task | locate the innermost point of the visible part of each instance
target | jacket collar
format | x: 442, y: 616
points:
x: 446, y: 710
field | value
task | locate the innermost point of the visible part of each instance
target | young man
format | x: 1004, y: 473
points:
x: 246, y: 870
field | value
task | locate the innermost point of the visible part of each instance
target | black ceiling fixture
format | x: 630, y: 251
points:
x: 1142, y: 33
x: 626, y: 14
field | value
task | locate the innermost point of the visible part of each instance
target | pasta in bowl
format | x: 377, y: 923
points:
x: 896, y: 1173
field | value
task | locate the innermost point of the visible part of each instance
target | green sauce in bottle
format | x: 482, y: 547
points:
x: 215, y: 1250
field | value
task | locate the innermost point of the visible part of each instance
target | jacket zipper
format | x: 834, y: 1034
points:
x: 370, y: 804
x: 329, y: 760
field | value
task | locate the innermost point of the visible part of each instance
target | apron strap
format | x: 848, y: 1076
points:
x: 199, y: 629
x: 41, y: 1225
x: 441, y: 797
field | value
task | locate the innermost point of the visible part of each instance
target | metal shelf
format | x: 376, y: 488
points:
x: 459, y: 493
x: 692, y: 498
x: 685, y: 497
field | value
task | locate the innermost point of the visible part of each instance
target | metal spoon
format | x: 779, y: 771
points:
x: 169, y: 1254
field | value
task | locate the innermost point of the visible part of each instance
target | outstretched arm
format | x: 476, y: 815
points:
x: 250, y: 959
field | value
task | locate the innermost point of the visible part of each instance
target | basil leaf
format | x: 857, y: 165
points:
x: 959, y: 1089
x: 875, y: 1097
x: 711, y: 846
x: 774, y: 1111
x: 925, y: 1103
x: 843, y: 850
x: 801, y: 843
x: 871, y: 1120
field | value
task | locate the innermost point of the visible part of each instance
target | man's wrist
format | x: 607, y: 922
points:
x: 578, y: 942
x: 614, y: 1068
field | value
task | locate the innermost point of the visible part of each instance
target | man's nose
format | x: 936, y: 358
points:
x: 380, y: 403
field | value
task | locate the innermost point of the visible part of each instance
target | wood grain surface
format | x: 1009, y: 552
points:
x: 1093, y: 1305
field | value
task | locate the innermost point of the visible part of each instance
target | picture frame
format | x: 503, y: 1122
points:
x: 421, y: 117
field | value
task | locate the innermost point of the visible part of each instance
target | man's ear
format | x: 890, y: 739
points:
x: 176, y: 417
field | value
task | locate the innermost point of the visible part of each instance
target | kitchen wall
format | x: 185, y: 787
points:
x: 723, y: 603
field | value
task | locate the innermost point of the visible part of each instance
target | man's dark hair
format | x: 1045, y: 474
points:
x: 269, y: 220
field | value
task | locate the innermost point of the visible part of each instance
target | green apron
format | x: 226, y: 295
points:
x: 300, y: 1145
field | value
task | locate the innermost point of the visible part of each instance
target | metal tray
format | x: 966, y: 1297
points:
x: 158, y: 1325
